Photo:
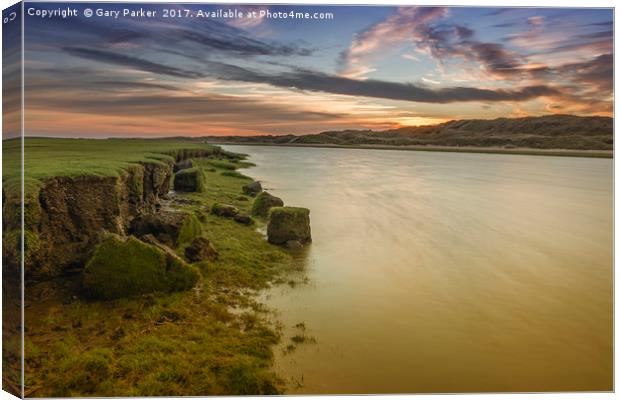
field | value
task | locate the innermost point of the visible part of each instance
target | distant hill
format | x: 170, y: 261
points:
x: 547, y: 132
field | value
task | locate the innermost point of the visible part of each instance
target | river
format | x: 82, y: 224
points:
x: 445, y: 272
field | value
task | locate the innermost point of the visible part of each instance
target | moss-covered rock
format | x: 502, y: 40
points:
x: 189, y: 180
x: 263, y: 203
x: 128, y: 267
x: 289, y: 224
x: 172, y: 228
x: 200, y: 249
x: 224, y: 210
x: 243, y: 219
x: 252, y: 188
x: 190, y: 229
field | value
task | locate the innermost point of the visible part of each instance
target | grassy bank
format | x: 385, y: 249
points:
x: 214, y: 339
x: 45, y: 157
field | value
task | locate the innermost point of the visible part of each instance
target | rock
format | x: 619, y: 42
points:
x: 185, y: 164
x: 289, y: 224
x: 200, y: 249
x: 242, y: 198
x: 189, y: 180
x: 252, y: 189
x: 128, y: 267
x: 293, y: 245
x: 150, y: 239
x: 263, y: 203
x: 243, y: 219
x: 171, y: 228
x: 224, y: 210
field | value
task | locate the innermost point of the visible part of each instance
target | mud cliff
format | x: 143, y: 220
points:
x: 67, y: 216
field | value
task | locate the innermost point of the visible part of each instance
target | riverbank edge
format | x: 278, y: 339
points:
x: 442, y: 149
x: 247, y: 299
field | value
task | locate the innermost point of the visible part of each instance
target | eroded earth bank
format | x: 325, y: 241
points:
x: 143, y: 281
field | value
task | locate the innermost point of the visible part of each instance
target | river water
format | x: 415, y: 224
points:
x: 445, y: 272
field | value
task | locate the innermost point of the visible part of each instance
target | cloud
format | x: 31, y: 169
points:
x: 224, y: 38
x: 553, y: 39
x: 454, y: 41
x: 196, y: 108
x: 308, y: 80
x: 505, y: 25
x: 321, y: 82
x: 397, y: 29
x: 597, y: 72
x: 181, y: 34
x: 109, y: 57
x: 442, y: 42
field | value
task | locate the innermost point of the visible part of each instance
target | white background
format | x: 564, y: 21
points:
x: 489, y: 3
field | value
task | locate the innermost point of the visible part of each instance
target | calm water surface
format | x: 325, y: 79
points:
x: 446, y: 272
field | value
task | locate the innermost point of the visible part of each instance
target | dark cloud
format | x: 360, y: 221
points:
x: 462, y: 32
x: 602, y: 45
x: 109, y: 57
x: 307, y: 80
x: 231, y: 40
x: 493, y: 56
x: 505, y: 25
x: 598, y: 72
x: 500, y: 11
x: 605, y: 23
x: 133, y: 85
x: 322, y: 82
x: 598, y: 35
x: 457, y: 41
x: 182, y: 34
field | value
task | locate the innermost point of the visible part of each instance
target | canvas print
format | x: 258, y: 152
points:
x: 254, y: 199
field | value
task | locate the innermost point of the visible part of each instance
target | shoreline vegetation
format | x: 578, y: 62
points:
x: 204, y: 333
x: 550, y: 135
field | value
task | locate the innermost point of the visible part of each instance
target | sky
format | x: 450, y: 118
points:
x: 368, y: 67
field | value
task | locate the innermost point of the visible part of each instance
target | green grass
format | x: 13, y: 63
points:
x: 212, y: 340
x: 222, y: 164
x: 47, y: 157
x: 234, y: 174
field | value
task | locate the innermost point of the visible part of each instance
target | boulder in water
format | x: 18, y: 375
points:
x: 263, y: 203
x: 289, y: 224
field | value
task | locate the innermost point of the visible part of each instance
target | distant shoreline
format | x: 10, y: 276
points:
x: 449, y: 149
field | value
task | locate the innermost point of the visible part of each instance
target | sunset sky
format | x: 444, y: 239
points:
x: 368, y: 67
